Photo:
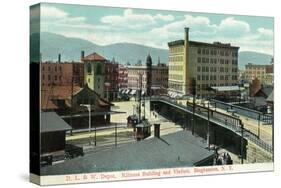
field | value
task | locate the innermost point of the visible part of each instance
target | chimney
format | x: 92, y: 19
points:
x: 59, y: 58
x: 186, y: 38
x: 157, y: 130
x: 82, y: 55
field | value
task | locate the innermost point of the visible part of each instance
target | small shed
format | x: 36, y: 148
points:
x: 143, y: 130
x: 132, y: 121
x: 52, y: 130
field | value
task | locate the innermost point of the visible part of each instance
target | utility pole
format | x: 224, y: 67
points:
x: 242, y: 141
x: 193, y: 92
x: 115, y: 134
x: 88, y: 106
x: 259, y: 119
x: 71, y: 110
x: 208, y: 131
x: 140, y: 91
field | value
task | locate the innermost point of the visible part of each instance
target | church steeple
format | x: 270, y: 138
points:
x: 148, y: 60
x: 149, y: 75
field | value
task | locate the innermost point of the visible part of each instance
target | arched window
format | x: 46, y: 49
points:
x: 99, y: 71
x: 89, y: 68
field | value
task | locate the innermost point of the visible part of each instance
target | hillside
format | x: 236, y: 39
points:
x: 70, y: 49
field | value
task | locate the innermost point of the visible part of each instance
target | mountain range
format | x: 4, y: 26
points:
x: 70, y: 50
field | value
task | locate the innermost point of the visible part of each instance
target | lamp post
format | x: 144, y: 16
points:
x: 107, y: 85
x: 89, y: 110
x: 208, y: 128
x: 242, y: 142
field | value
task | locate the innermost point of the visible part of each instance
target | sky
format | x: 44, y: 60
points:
x: 155, y: 28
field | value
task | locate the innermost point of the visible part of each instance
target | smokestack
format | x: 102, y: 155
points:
x: 82, y: 55
x: 157, y: 130
x: 186, y: 29
x: 59, y: 58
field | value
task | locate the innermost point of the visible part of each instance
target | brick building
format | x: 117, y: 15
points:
x: 111, y: 80
x: 122, y: 76
x: 262, y: 72
x: 159, y: 78
x: 62, y: 73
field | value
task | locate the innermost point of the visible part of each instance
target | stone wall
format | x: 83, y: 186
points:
x: 255, y: 154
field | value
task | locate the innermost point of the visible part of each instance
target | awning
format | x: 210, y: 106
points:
x: 227, y: 88
x: 128, y: 91
x: 133, y: 92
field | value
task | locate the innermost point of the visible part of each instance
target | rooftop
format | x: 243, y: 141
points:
x: 48, y: 93
x: 51, y: 122
x: 94, y: 57
x: 226, y: 88
x: 196, y: 43
x: 173, y: 150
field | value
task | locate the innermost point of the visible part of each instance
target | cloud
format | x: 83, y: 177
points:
x: 52, y: 13
x: 265, y: 33
x: 164, y: 17
x: 157, y: 29
x: 233, y: 28
x: 134, y: 20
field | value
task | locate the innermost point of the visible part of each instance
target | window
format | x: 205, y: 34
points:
x: 49, y: 77
x: 43, y: 77
x: 89, y: 68
x: 99, y: 69
x: 198, y: 69
x: 198, y: 77
x: 199, y: 51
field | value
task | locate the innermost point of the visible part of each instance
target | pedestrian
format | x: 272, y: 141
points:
x: 219, y: 161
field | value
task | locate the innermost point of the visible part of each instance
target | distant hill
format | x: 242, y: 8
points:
x: 253, y: 57
x: 70, y: 50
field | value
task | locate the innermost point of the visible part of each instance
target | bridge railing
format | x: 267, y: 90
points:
x: 233, y: 123
x: 267, y: 118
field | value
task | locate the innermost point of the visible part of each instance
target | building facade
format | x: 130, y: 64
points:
x: 62, y: 73
x: 122, y: 77
x: 262, y: 72
x: 111, y: 80
x: 210, y: 64
x: 159, y: 78
x: 94, y: 72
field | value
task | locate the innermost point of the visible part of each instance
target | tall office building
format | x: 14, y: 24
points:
x: 210, y: 64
